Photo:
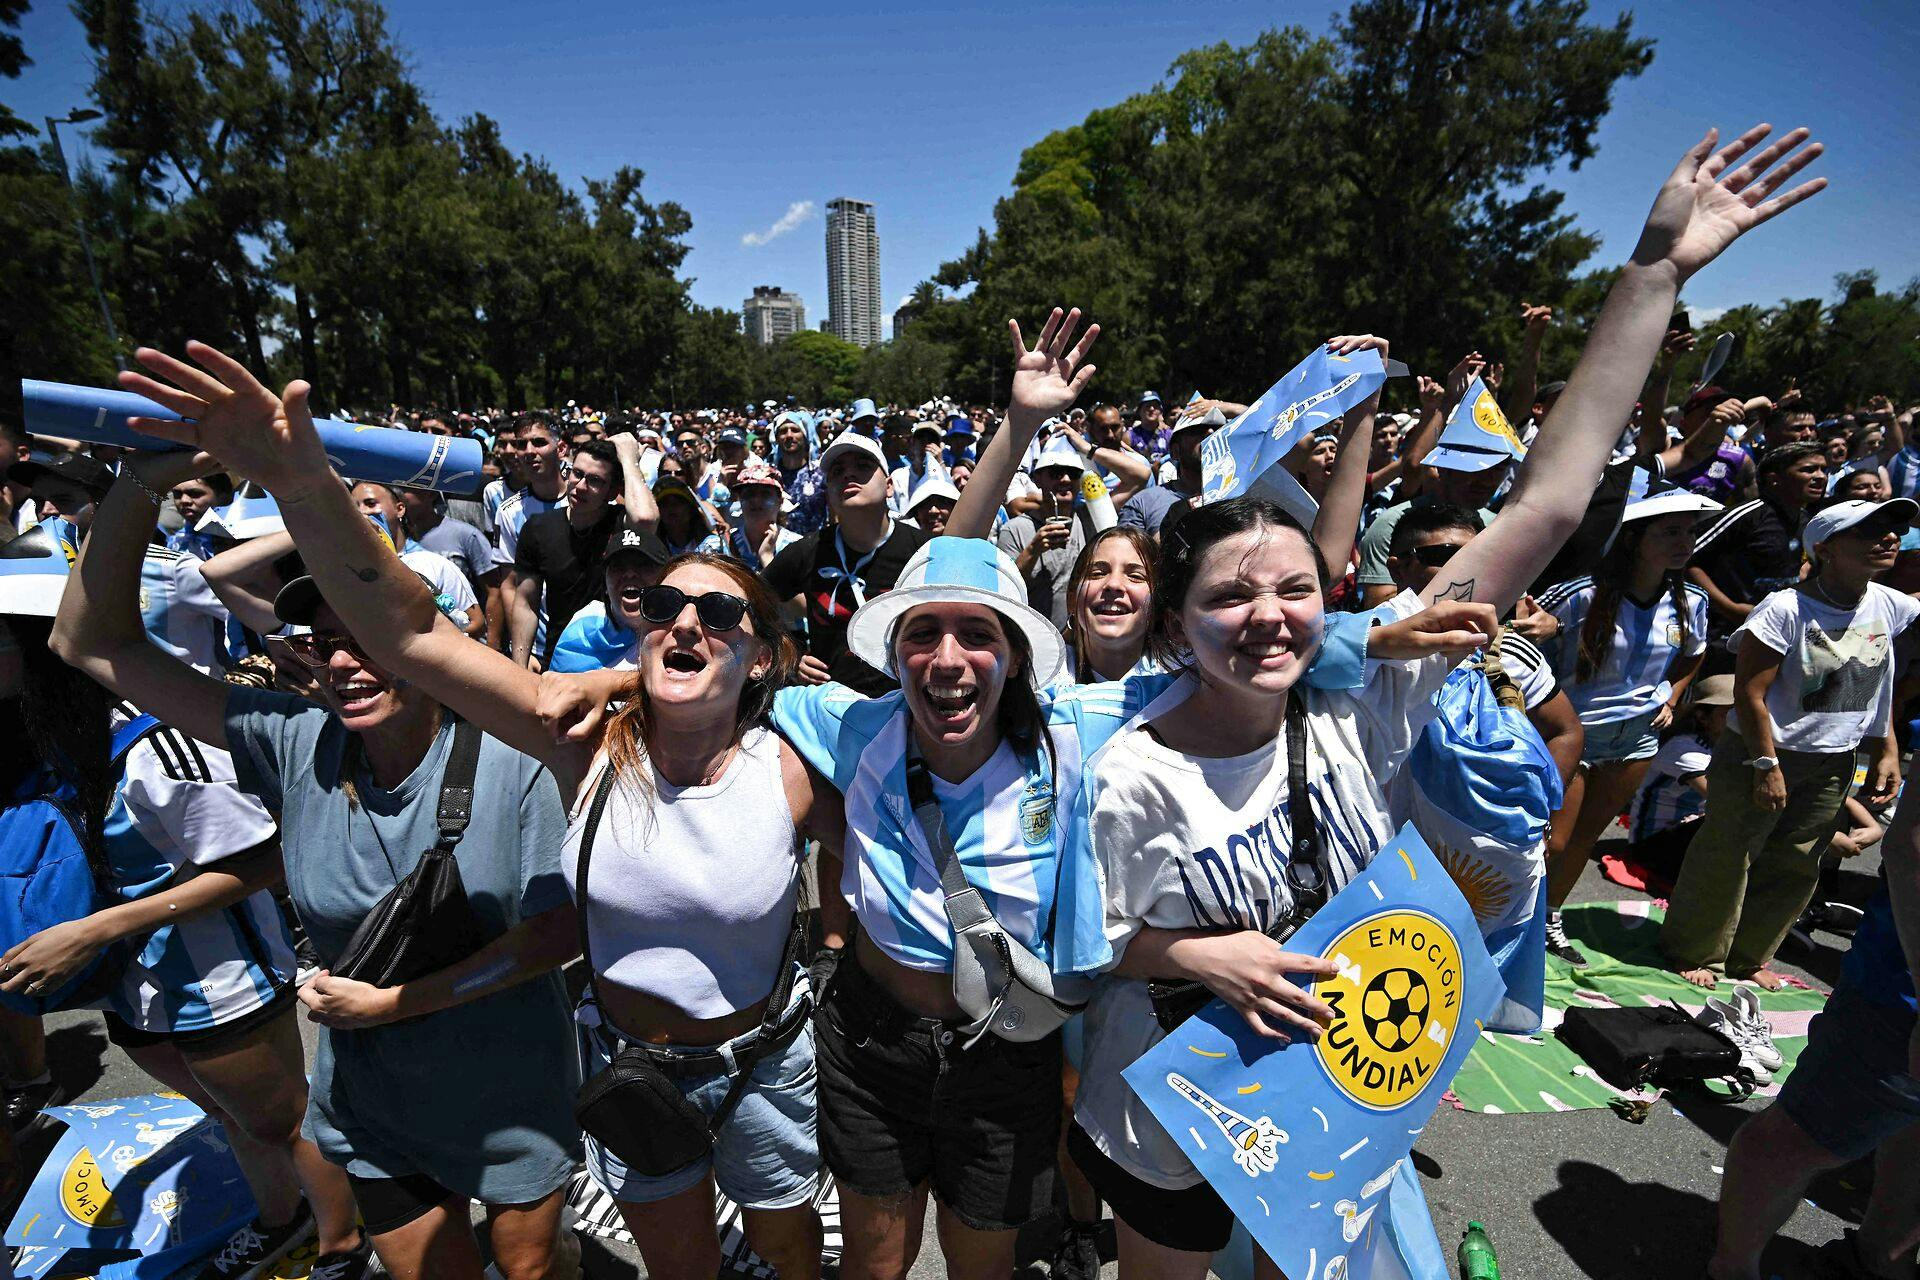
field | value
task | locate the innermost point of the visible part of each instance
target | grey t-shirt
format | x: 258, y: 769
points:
x: 463, y: 544
x: 1047, y: 583
x: 478, y: 1097
x: 1378, y: 537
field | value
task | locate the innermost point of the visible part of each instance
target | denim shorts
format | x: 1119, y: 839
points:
x: 1849, y: 1090
x: 904, y: 1102
x: 1621, y: 740
x: 767, y: 1154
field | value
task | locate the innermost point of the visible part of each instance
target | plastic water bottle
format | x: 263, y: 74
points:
x: 1477, y: 1259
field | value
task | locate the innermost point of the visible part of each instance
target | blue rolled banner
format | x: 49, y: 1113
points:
x: 389, y: 455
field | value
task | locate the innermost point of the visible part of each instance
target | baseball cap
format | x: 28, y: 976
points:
x: 1149, y: 397
x: 1842, y: 516
x: 853, y: 440
x: 730, y: 435
x: 1714, y: 691
x: 631, y: 539
x: 1704, y: 397
x: 89, y: 473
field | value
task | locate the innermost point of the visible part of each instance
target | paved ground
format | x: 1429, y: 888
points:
x: 1581, y: 1194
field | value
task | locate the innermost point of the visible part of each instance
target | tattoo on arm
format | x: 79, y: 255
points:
x: 1458, y: 591
x: 368, y: 574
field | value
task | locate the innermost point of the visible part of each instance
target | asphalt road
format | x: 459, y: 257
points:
x: 1565, y: 1196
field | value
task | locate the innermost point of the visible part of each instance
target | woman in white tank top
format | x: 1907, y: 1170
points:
x: 694, y: 813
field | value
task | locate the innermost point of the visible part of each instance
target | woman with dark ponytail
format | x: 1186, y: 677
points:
x: 1631, y: 638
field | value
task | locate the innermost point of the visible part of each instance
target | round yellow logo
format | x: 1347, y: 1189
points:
x: 1396, y: 1005
x: 1487, y: 416
x: 83, y: 1196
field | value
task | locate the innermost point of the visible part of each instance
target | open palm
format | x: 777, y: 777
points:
x: 1704, y: 206
x: 261, y: 436
x: 1050, y: 377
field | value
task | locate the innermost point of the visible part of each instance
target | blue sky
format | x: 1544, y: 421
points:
x: 742, y: 111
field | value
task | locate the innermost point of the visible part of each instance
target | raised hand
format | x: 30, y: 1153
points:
x: 1462, y: 374
x: 1494, y: 375
x: 264, y: 437
x: 1048, y: 378
x: 1432, y: 395
x: 1704, y: 206
x: 1536, y: 319
x: 1347, y: 343
x: 1676, y: 344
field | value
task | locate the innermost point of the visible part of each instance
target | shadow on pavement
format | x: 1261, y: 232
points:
x: 1613, y: 1229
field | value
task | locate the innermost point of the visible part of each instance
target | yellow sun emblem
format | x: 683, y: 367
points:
x: 1487, y: 417
x: 1485, y: 889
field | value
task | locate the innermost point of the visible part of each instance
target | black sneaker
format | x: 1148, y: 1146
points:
x: 250, y: 1252
x: 1076, y: 1254
x: 25, y: 1103
x: 351, y: 1265
x: 1558, y: 944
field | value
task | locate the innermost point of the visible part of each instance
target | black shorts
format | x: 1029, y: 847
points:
x: 387, y: 1204
x: 902, y: 1103
x: 1194, y: 1219
x: 207, y: 1039
x: 1850, y: 1090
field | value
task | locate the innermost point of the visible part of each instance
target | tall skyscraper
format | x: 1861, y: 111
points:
x: 772, y: 314
x: 853, y: 271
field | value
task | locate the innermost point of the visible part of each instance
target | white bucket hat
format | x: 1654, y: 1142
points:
x: 1669, y: 503
x: 957, y: 569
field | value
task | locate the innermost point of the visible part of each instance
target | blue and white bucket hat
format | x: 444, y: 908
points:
x: 957, y: 569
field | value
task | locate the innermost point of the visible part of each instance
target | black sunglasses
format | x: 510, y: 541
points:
x: 716, y: 610
x: 1435, y: 554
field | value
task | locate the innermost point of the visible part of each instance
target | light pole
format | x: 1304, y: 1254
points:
x: 82, y: 116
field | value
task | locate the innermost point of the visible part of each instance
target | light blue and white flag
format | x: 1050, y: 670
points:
x: 1244, y: 457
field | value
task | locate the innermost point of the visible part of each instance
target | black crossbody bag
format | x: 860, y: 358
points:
x: 1309, y: 876
x: 632, y: 1107
x: 425, y: 923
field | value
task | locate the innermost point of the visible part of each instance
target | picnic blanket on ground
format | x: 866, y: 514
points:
x: 1508, y: 1073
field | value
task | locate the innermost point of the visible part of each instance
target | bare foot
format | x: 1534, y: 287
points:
x: 1700, y: 977
x: 1766, y: 979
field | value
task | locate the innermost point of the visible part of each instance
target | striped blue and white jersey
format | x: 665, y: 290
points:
x: 515, y: 510
x: 1647, y: 638
x: 177, y: 607
x: 1903, y: 473
x: 179, y: 807
x: 1665, y: 800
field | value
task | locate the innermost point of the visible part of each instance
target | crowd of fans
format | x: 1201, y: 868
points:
x: 729, y: 654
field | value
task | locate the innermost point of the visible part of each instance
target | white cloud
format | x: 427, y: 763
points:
x: 1706, y: 315
x: 905, y: 298
x: 797, y: 212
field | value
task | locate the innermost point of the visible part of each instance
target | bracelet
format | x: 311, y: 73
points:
x: 133, y: 475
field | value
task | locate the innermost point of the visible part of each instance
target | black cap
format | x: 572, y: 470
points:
x: 298, y: 601
x: 1548, y: 390
x: 89, y: 473
x: 630, y: 539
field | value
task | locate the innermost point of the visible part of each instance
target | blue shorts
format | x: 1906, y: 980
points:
x: 767, y: 1154
x: 1850, y: 1090
x: 1621, y: 740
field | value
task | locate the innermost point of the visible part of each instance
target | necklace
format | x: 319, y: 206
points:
x: 1816, y: 585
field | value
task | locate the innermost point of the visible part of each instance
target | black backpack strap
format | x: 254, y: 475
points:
x: 585, y: 856
x: 1309, y: 872
x: 456, y: 784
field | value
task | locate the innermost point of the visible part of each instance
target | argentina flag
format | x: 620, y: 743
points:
x: 1244, y: 457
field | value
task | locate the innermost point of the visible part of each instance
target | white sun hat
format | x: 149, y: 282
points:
x: 957, y: 569
x: 1668, y: 503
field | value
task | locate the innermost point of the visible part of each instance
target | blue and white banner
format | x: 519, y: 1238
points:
x: 1476, y: 435
x: 98, y: 415
x: 1244, y: 457
x: 1303, y: 1140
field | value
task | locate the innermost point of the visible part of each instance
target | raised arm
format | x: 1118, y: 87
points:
x: 635, y: 494
x: 1337, y: 526
x: 1704, y: 206
x: 99, y: 630
x: 1526, y: 372
x: 244, y: 579
x: 1046, y: 381
x: 382, y: 603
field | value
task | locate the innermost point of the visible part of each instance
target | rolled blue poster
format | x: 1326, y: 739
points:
x: 98, y: 415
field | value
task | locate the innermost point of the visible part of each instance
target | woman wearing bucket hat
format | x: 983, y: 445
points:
x: 761, y: 535
x: 690, y: 938
x: 1813, y: 692
x: 1631, y: 637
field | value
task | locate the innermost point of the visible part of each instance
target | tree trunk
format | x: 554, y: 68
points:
x: 309, y: 349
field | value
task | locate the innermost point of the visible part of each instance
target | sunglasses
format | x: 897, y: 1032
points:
x: 316, y: 648
x: 716, y: 610
x: 1435, y: 554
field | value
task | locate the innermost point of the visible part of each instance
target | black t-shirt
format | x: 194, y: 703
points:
x: 813, y: 568
x: 1750, y: 551
x: 569, y: 562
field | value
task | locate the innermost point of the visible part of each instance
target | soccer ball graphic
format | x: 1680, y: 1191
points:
x: 1394, y: 1009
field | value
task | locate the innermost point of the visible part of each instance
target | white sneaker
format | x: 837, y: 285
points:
x: 1724, y: 1021
x: 1746, y: 1006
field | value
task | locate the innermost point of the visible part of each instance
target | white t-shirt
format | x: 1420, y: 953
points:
x: 1835, y: 685
x: 1665, y: 800
x: 443, y: 576
x: 1191, y: 843
x: 1632, y: 679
